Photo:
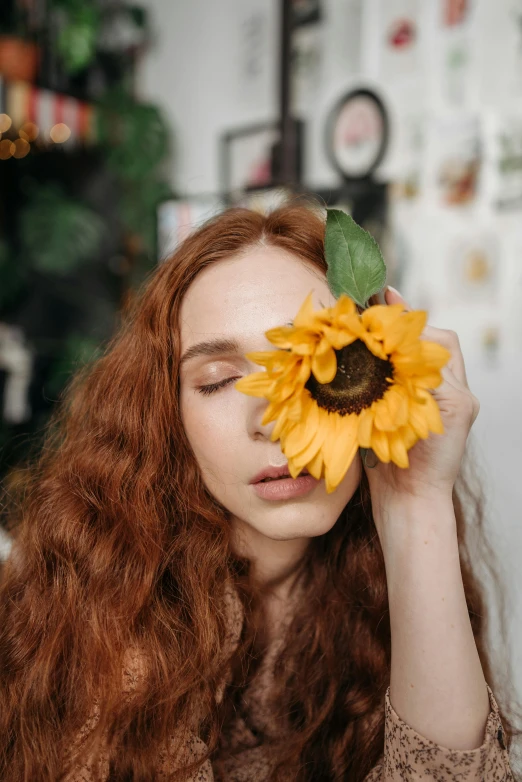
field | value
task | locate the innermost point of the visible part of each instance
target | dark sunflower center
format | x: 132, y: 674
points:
x: 361, y: 378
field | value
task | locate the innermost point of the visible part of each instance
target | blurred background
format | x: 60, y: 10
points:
x: 125, y: 125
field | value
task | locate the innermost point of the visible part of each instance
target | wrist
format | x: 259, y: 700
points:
x: 408, y: 521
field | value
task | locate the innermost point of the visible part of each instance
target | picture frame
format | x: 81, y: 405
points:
x: 357, y: 134
x: 251, y: 158
x: 247, y: 158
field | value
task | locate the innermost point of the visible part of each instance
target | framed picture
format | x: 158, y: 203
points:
x: 251, y: 158
x: 357, y: 132
x: 247, y: 158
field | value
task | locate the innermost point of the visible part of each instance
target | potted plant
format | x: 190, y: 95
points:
x: 19, y: 53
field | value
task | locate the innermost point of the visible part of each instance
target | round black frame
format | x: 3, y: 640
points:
x: 330, y: 125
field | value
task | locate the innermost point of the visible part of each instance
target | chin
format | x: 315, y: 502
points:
x: 291, y: 528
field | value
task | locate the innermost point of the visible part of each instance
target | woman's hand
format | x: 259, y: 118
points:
x: 434, y: 462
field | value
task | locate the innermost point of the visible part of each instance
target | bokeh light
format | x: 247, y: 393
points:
x: 5, y: 122
x: 22, y: 148
x: 29, y: 131
x: 60, y: 133
x: 7, y: 149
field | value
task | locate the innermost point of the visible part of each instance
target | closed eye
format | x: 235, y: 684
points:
x: 212, y: 387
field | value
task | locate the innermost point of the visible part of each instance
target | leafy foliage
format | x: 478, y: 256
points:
x: 355, y: 263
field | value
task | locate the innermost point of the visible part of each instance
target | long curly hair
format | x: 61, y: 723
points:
x: 119, y: 546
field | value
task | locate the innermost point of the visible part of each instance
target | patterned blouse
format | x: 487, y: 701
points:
x: 407, y: 755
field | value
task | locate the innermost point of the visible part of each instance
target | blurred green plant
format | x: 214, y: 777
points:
x: 80, y: 22
x: 59, y: 233
x: 85, y: 24
x: 76, y: 351
x: 135, y: 138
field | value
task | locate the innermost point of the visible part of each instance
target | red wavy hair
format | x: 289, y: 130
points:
x: 118, y: 545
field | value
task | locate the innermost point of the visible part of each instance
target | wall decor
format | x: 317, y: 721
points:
x: 357, y: 133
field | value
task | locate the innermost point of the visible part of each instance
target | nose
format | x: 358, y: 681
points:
x: 256, y: 429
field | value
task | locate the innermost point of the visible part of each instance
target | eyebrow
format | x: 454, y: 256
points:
x: 214, y: 347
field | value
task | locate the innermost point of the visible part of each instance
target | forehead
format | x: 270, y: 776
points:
x: 246, y: 295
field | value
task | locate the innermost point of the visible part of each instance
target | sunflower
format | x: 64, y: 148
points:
x: 341, y: 380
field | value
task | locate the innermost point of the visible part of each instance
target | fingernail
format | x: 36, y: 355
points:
x: 390, y: 288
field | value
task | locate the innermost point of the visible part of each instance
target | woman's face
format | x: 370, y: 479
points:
x: 238, y: 300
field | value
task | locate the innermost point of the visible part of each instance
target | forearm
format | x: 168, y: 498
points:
x: 437, y: 684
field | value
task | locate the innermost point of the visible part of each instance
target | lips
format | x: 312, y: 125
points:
x: 274, y: 473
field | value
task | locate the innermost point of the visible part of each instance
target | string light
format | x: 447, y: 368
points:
x: 60, y: 133
x: 5, y: 122
x: 7, y: 149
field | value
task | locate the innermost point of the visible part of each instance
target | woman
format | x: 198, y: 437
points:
x: 160, y: 613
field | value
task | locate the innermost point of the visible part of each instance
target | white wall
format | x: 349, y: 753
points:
x: 192, y: 72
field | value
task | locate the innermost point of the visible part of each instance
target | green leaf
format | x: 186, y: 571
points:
x: 355, y: 263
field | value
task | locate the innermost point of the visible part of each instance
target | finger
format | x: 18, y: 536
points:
x: 452, y: 389
x: 392, y: 296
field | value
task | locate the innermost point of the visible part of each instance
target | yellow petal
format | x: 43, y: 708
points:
x: 366, y: 417
x: 409, y: 437
x: 304, y: 370
x: 256, y: 384
x: 324, y: 366
x: 302, y: 433
x: 331, y: 424
x: 383, y: 419
x: 315, y: 466
x: 323, y: 347
x: 374, y: 345
x: 432, y: 380
x: 280, y: 336
x: 343, y: 306
x: 398, y: 452
x: 273, y: 410
x: 283, y: 424
x: 306, y: 312
x: 378, y: 318
x: 267, y: 358
x: 397, y: 401
x: 381, y: 445
x: 304, y: 348
x: 405, y: 331
x: 339, y: 338
x: 283, y: 390
x: 418, y: 420
x: 436, y: 356
x: 346, y: 447
x: 409, y: 363
x: 295, y: 407
x: 432, y: 412
x: 351, y: 323
x: 301, y: 459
